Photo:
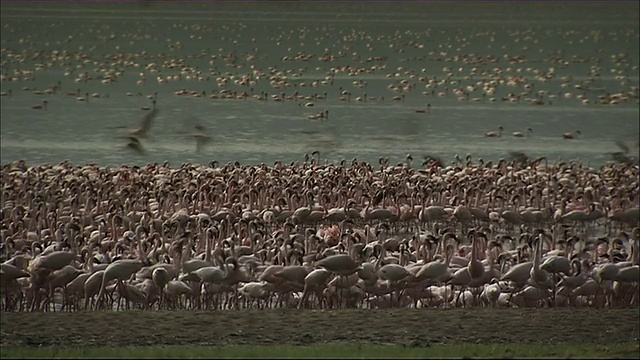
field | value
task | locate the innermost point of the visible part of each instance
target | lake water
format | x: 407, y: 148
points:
x: 594, y: 46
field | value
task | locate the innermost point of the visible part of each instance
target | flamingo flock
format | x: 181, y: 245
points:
x: 419, y: 69
x: 308, y: 235
x: 311, y: 235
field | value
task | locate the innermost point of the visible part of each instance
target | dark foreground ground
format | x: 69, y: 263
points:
x: 411, y: 327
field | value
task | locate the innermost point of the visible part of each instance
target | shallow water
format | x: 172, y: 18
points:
x: 411, y: 36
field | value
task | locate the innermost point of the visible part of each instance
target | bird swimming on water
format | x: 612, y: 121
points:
x: 495, y: 133
x: 571, y: 136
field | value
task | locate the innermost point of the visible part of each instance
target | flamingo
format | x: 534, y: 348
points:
x: 495, y: 133
x: 571, y: 136
x: 145, y: 125
x: 202, y: 138
x: 520, y: 134
x: 539, y: 277
x: 320, y: 116
x: 135, y: 145
x: 42, y: 106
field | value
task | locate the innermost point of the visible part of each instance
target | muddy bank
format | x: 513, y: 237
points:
x: 399, y: 326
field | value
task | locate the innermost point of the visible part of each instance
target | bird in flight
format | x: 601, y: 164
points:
x: 201, y: 136
x: 145, y: 124
x: 624, y: 155
x: 135, y: 145
x: 195, y: 130
x: 134, y: 135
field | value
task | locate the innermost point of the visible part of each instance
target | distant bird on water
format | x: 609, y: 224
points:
x: 521, y: 134
x: 42, y: 106
x: 422, y: 111
x: 495, y: 133
x: 569, y: 135
x: 153, y: 102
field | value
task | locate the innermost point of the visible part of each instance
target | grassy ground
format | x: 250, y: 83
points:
x: 335, y: 351
x: 289, y: 332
